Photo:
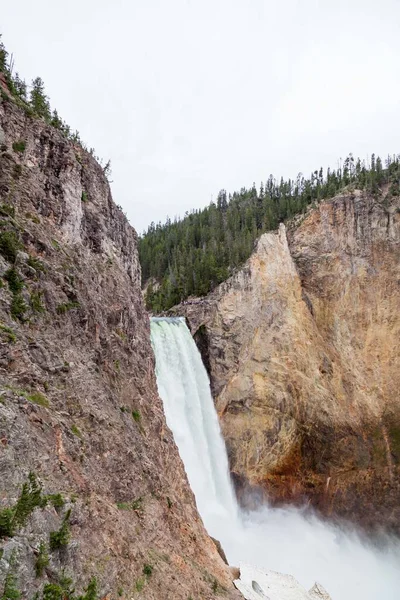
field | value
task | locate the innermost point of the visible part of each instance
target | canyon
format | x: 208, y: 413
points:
x: 302, y: 349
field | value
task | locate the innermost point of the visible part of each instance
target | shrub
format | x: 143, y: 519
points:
x: 8, y: 333
x: 19, y: 146
x: 133, y: 505
x: 7, y: 209
x: 18, y: 308
x: 30, y: 498
x: 140, y: 584
x: 63, y: 308
x: 76, y: 431
x: 36, y: 302
x: 15, y: 282
x: 36, y: 264
x: 136, y: 416
x: 91, y: 590
x: 59, y: 539
x: 12, y: 518
x: 33, y: 218
x: 84, y: 197
x: 56, y: 500
x: 9, y: 245
x: 6, y: 523
x: 11, y: 591
x: 147, y: 570
x: 42, y: 559
x: 53, y: 591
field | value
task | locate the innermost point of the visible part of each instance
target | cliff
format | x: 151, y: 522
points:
x: 302, y: 347
x: 91, y: 484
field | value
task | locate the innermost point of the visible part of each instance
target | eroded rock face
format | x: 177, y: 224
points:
x: 78, y: 404
x: 303, y: 350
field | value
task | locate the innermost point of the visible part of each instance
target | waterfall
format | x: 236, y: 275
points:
x: 189, y: 410
x: 288, y: 540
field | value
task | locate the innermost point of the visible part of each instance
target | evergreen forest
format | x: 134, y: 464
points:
x: 191, y: 256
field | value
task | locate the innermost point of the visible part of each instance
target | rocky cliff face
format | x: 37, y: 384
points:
x: 79, y: 407
x: 302, y: 346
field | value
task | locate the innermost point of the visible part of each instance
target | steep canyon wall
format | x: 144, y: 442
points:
x: 79, y: 408
x: 303, y: 349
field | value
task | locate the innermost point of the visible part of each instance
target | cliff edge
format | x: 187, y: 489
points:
x: 93, y: 494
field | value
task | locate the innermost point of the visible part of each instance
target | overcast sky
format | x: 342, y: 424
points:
x: 190, y: 96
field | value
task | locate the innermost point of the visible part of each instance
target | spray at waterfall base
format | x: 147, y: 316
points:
x: 287, y: 540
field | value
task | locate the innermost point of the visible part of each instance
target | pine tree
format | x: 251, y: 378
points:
x: 38, y: 99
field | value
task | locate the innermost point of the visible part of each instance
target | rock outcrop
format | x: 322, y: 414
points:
x: 79, y: 408
x: 303, y: 349
x: 255, y: 584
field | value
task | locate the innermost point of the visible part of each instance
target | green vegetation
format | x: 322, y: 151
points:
x: 36, y: 264
x: 36, y: 302
x: 18, y: 308
x: 63, y: 590
x: 8, y: 333
x: 42, y: 559
x: 37, y: 398
x: 13, y: 518
x: 33, y: 218
x: 76, y: 431
x: 10, y: 591
x: 53, y: 591
x: 19, y: 146
x: 7, y: 210
x: 133, y: 505
x: 84, y: 197
x: 16, y: 283
x: 140, y: 584
x: 147, y: 570
x: 59, y: 539
x: 63, y: 308
x: 91, y: 591
x: 56, y: 500
x: 191, y: 256
x: 9, y: 245
x: 136, y: 416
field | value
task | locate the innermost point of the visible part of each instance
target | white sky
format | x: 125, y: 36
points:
x: 190, y: 96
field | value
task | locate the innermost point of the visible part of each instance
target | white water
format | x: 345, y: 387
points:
x: 286, y: 540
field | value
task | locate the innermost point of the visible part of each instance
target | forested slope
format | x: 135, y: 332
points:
x: 192, y: 255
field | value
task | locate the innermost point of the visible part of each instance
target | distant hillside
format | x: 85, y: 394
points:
x: 193, y: 255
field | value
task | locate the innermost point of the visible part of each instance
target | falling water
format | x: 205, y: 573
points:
x: 288, y: 540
